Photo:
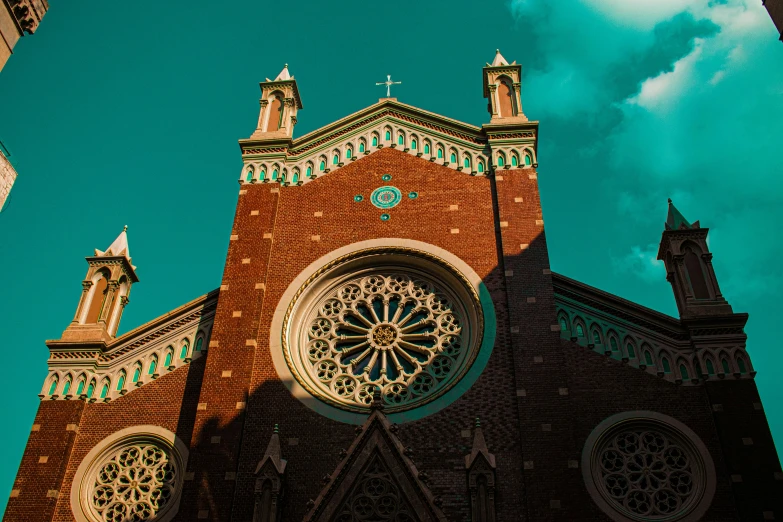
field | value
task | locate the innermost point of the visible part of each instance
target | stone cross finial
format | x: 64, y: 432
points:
x: 388, y: 83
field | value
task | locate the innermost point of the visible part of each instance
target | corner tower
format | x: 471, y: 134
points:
x: 279, y: 103
x: 502, y: 88
x: 688, y: 261
x: 105, y: 291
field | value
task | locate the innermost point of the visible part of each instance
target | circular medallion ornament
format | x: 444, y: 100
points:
x: 386, y: 197
x: 408, y: 328
x: 644, y: 466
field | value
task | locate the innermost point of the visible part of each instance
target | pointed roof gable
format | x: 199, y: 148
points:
x: 676, y: 221
x: 284, y: 76
x: 479, y: 448
x: 272, y: 455
x: 376, y: 455
x: 118, y: 248
x: 499, y: 60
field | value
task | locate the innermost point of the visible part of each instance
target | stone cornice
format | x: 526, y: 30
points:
x: 102, y: 352
x: 113, y: 260
x: 631, y: 312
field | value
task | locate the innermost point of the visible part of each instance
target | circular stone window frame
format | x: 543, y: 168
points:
x: 418, y: 254
x: 145, y: 433
x: 616, y: 423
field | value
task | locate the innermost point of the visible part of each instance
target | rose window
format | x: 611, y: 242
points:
x: 648, y: 472
x: 133, y: 483
x: 403, y: 332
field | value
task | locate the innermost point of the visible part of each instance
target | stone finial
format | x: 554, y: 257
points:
x: 377, y: 402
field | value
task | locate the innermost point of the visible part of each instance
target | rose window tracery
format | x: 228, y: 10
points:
x: 406, y: 333
x: 648, y: 471
x: 133, y: 483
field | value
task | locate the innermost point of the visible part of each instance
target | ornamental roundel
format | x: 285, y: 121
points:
x: 136, y: 479
x: 648, y: 467
x: 406, y: 326
x: 386, y: 197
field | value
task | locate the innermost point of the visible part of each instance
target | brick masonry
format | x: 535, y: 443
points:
x: 538, y: 398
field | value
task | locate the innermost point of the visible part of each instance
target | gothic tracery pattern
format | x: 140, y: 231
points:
x: 133, y: 483
x: 376, y: 498
x: 647, y: 474
x: 396, y: 332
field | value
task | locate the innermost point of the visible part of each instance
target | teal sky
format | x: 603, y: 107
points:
x: 127, y: 113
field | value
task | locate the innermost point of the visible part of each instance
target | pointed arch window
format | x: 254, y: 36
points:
x: 414, y: 145
x: 295, y: 179
x: 80, y: 387
x: 309, y: 171
x: 136, y: 374
x: 613, y: 343
x: 596, y: 337
x: 262, y: 175
x: 506, y: 98
x: 648, y: 358
x: 53, y: 386
x: 275, y: 175
x: 335, y: 159
x: 426, y: 148
x: 199, y: 343
x: 121, y: 381
x: 91, y: 388
x: 684, y: 373
x: 501, y: 160
x: 361, y: 146
x: 631, y: 350
x: 667, y: 367
x: 348, y: 153
x: 167, y: 360
x: 741, y: 365
x: 249, y: 176
x: 98, y: 300
x: 580, y: 332
x: 481, y: 167
x: 440, y: 153
x: 104, y: 389
x: 514, y: 161
x: 184, y: 351
x: 710, y: 367
x: 322, y: 166
x: 563, y: 324
x: 696, y: 276
x: 388, y: 135
x: 453, y: 158
x: 400, y: 140
x: 153, y: 365
x: 466, y: 163
x: 375, y: 141
x: 528, y: 159
x: 275, y: 114
x: 67, y: 386
x: 725, y: 364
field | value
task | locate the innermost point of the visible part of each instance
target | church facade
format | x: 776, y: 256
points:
x: 388, y: 343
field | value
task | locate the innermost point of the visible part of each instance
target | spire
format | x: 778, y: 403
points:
x: 479, y: 448
x: 499, y: 60
x: 283, y: 76
x: 118, y: 248
x: 676, y: 221
x: 273, y: 454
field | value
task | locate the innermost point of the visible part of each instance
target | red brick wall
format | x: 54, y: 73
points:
x: 538, y: 397
x: 50, y: 438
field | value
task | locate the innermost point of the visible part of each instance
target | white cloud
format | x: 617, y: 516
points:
x: 642, y: 262
x: 640, y: 14
x: 663, y: 91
